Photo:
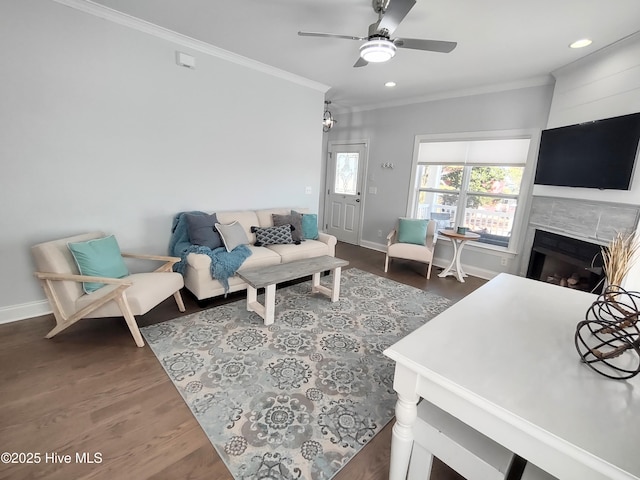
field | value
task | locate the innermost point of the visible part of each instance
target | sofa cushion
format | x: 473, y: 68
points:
x: 100, y: 257
x: 260, y: 257
x: 295, y: 220
x: 272, y: 235
x: 308, y: 249
x: 246, y: 218
x: 201, y: 229
x: 232, y: 235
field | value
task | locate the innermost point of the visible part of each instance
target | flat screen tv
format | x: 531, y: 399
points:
x: 599, y: 154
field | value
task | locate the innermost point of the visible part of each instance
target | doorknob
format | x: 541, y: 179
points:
x: 357, y: 200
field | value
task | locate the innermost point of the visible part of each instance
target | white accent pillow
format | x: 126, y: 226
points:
x: 232, y: 235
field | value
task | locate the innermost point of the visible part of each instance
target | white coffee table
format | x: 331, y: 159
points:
x: 269, y: 277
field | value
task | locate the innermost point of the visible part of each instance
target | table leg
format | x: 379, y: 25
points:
x: 269, y: 304
x: 315, y: 281
x: 266, y: 311
x: 402, y: 437
x: 455, y: 262
x: 455, y: 267
x: 252, y: 298
x: 335, y: 290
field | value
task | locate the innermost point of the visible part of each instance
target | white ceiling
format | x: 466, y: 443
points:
x: 499, y: 41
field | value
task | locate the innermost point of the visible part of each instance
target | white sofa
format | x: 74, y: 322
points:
x: 197, y: 274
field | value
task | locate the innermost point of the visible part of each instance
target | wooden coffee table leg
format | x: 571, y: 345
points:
x: 252, y: 299
x: 269, y: 304
x: 334, y: 292
x: 266, y: 311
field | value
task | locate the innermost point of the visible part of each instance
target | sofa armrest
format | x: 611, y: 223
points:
x: 199, y: 261
x: 330, y: 240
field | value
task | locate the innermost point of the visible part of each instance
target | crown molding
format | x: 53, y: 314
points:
x: 480, y: 90
x: 106, y: 13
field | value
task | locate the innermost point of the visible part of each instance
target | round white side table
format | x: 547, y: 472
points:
x: 458, y: 240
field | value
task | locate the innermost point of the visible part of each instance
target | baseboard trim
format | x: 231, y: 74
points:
x: 13, y: 313
x: 380, y: 247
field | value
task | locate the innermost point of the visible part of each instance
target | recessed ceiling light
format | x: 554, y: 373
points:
x: 584, y: 42
x: 390, y: 84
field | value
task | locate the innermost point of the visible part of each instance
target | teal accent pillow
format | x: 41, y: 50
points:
x: 412, y: 230
x: 98, y: 258
x: 309, y: 226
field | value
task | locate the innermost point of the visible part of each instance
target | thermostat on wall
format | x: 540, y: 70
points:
x: 185, y: 60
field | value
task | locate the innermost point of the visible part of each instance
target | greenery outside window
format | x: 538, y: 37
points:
x: 471, y: 183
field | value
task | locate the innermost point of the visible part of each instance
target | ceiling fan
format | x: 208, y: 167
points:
x: 379, y: 46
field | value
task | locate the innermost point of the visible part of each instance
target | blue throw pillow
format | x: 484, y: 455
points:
x: 309, y: 226
x: 412, y: 230
x: 98, y: 258
x: 202, y: 230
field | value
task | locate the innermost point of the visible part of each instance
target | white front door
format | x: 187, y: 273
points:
x: 343, y: 206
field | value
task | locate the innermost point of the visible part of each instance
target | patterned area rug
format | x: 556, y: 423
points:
x: 297, y: 399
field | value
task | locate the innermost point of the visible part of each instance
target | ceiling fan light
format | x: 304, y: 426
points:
x: 377, y: 50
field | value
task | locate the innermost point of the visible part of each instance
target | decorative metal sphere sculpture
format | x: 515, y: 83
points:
x: 608, y: 340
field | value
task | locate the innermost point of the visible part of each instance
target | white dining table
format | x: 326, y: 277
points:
x: 503, y: 361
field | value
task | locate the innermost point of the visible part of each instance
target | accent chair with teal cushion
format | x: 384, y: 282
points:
x: 100, y: 257
x: 411, y: 239
x: 412, y: 230
x: 64, y: 265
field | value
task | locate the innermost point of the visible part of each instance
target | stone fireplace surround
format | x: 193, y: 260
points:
x: 586, y: 220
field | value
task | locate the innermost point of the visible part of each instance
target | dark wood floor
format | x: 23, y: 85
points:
x: 91, y: 391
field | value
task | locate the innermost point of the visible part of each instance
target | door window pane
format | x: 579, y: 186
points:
x: 346, y: 173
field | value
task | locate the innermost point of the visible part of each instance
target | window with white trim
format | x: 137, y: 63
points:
x: 471, y: 183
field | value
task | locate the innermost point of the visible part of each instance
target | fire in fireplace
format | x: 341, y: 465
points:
x: 566, y: 261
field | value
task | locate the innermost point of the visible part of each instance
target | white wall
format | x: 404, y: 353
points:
x: 100, y: 129
x: 392, y: 133
x: 601, y: 85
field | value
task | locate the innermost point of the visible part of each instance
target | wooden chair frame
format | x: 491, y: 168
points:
x: 118, y: 295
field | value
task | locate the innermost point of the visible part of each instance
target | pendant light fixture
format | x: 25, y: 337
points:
x: 327, y: 119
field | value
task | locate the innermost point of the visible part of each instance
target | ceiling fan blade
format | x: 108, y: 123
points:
x: 361, y: 63
x: 429, y: 45
x: 395, y: 13
x: 330, y: 35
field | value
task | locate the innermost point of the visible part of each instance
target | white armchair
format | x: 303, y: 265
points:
x: 134, y: 294
x: 411, y: 251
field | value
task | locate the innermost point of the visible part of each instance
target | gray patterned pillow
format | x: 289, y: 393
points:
x: 295, y: 220
x: 272, y: 235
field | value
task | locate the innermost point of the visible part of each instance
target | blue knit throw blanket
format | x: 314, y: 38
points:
x: 224, y: 264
